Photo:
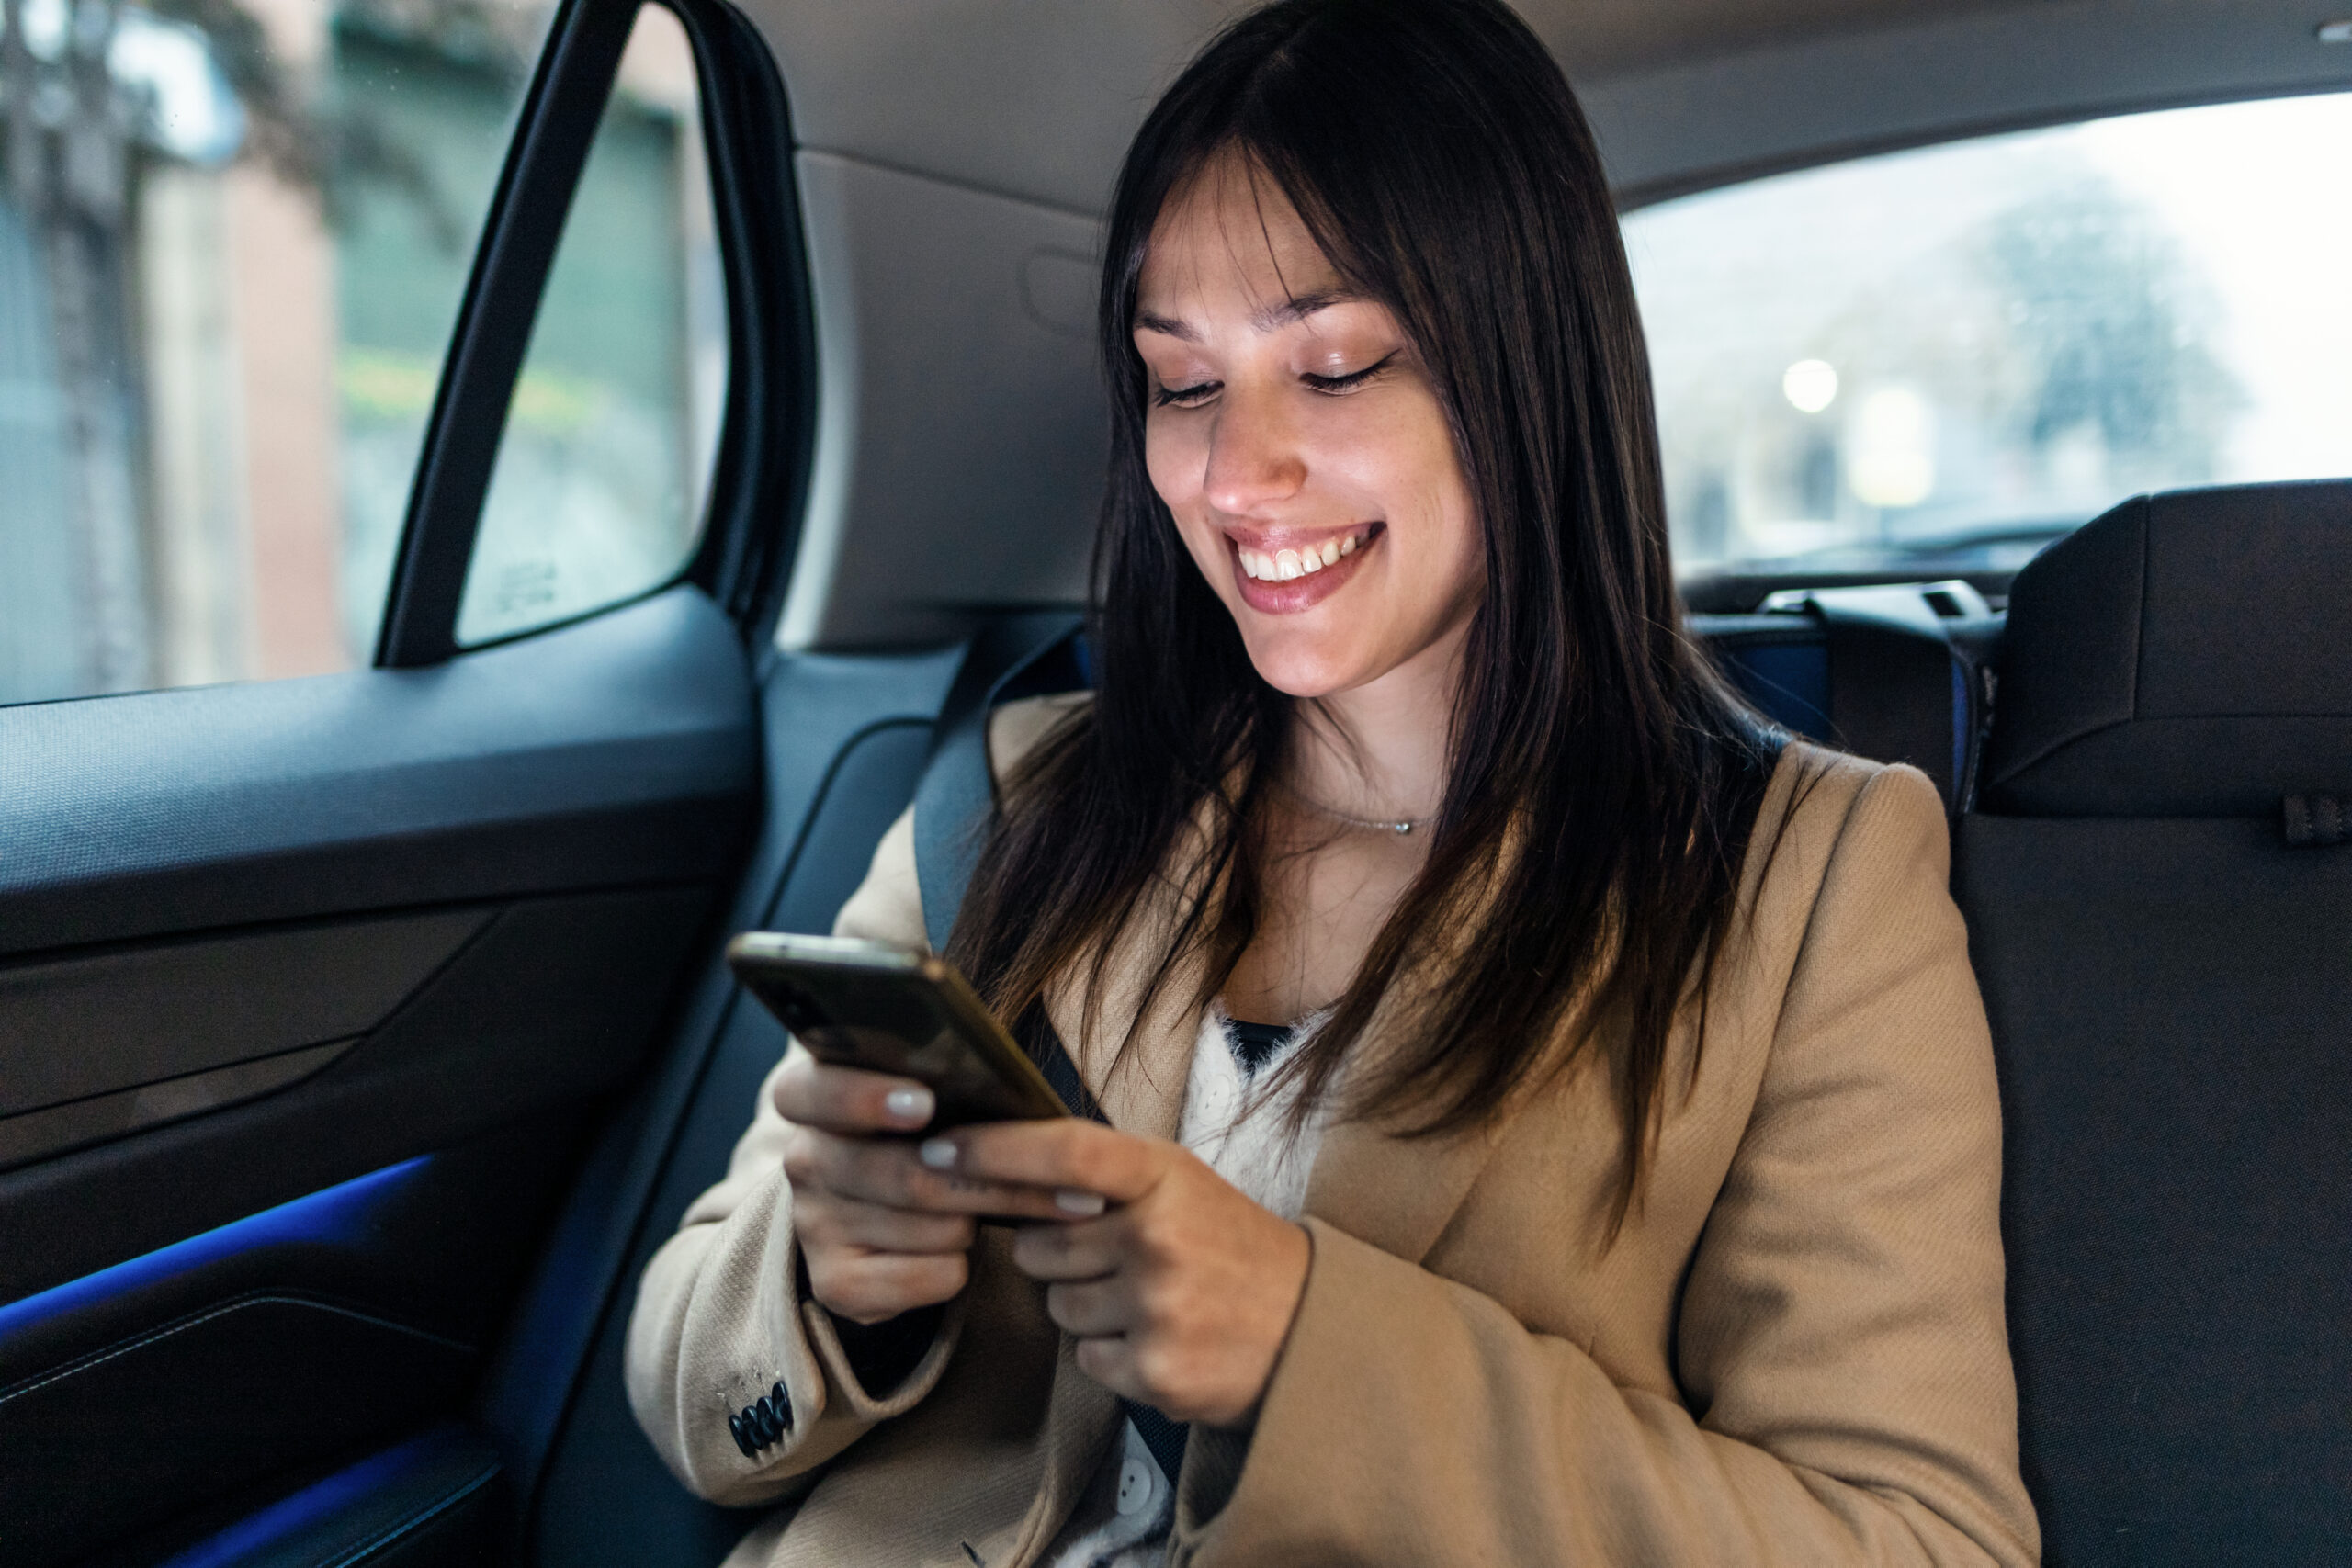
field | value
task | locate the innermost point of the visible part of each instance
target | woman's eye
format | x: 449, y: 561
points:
x: 1186, y: 397
x: 1351, y: 380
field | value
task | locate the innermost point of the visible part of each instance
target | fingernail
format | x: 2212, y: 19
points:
x: 911, y: 1105
x: 937, y: 1153
x: 1085, y: 1205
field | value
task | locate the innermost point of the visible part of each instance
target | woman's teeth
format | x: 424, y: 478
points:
x: 1281, y: 566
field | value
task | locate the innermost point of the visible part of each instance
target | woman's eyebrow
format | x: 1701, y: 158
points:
x: 1295, y: 309
x: 1147, y: 321
x: 1298, y: 306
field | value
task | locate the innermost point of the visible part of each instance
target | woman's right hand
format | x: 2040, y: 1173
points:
x: 882, y: 1233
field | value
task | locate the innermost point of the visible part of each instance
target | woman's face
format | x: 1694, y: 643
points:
x: 1293, y: 432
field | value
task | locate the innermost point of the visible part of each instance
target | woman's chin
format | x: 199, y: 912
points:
x: 1309, y: 668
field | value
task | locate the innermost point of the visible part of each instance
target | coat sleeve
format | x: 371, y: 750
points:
x: 721, y: 1318
x: 1848, y: 1397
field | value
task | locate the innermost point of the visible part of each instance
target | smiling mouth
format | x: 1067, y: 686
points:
x: 1302, y: 560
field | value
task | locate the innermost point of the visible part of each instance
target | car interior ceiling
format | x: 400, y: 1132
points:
x: 367, y: 1306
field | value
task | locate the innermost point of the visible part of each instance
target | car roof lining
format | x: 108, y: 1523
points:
x: 950, y: 149
x: 1037, y: 100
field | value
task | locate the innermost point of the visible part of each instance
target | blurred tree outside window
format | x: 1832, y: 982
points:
x: 233, y: 236
x: 1982, y: 345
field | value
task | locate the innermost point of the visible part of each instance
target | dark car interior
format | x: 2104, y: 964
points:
x: 362, y: 1035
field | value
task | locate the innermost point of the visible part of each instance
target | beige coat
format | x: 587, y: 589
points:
x: 1794, y: 1353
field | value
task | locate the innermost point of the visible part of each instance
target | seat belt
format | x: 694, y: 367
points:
x: 956, y: 804
x: 956, y: 797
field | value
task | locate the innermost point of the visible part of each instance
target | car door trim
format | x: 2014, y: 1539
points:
x: 760, y: 469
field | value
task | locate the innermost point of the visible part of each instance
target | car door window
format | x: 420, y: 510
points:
x: 232, y: 238
x: 598, y: 489
x: 1977, y: 346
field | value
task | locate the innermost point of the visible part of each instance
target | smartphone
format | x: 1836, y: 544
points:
x: 896, y: 1010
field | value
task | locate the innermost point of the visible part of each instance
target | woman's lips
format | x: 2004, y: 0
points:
x: 1286, y: 583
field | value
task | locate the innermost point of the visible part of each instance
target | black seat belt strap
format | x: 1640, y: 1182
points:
x: 955, y: 803
x: 956, y: 797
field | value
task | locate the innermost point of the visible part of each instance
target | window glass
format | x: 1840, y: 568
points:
x: 1977, y: 346
x: 597, y: 493
x: 233, y: 234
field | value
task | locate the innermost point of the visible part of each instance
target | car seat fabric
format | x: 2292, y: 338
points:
x: 2170, y: 989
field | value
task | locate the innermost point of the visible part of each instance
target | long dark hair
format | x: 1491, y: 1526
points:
x: 1604, y: 782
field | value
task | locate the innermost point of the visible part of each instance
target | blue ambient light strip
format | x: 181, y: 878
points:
x: 342, y: 1493
x: 290, y: 1516
x: 339, y: 1211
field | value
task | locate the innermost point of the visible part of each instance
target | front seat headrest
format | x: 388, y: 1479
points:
x: 2188, y: 654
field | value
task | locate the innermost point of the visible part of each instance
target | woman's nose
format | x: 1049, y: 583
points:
x: 1254, y: 459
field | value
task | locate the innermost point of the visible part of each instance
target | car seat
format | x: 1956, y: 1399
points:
x: 2159, y: 899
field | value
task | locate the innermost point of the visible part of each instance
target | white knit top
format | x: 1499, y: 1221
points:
x: 1123, y: 1519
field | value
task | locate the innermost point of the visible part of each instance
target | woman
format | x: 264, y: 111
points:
x: 1604, y: 1165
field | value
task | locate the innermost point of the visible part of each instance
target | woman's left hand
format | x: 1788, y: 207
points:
x: 1180, y: 1289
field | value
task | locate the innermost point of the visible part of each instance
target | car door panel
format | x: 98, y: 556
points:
x: 266, y: 1348
x: 451, y: 904
x: 57, y: 1129
x: 134, y: 1432
x: 554, y: 1003
x: 179, y: 1018
x: 621, y: 752
x: 314, y: 992
x: 617, y: 749
x: 435, y: 1498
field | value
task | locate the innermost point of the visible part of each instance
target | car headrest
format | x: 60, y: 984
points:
x: 2188, y: 654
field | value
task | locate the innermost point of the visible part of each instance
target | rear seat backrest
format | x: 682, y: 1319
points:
x: 1889, y: 671
x: 2170, y: 986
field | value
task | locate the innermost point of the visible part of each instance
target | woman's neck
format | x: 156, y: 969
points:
x: 1381, y: 752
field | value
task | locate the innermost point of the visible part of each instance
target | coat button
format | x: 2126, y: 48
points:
x: 1135, y: 1484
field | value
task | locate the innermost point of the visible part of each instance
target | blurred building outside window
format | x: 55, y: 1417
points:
x: 1976, y: 346
x: 233, y: 235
